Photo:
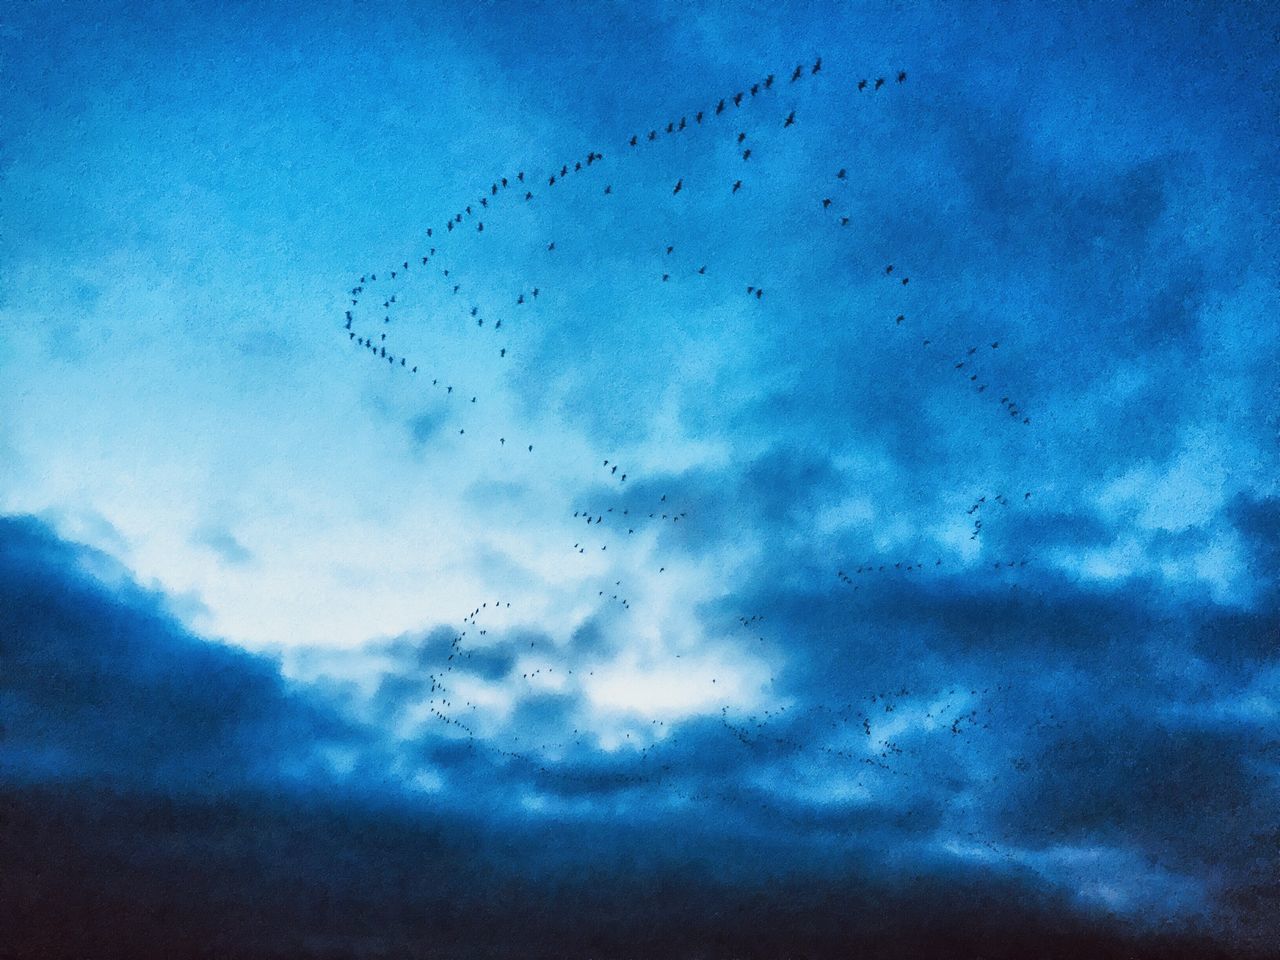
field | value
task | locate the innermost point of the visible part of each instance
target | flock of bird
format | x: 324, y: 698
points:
x: 369, y: 326
x: 862, y: 734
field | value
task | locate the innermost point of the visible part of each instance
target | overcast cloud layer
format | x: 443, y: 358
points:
x: 716, y: 624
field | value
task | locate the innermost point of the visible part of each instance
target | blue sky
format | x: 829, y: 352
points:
x: 243, y: 557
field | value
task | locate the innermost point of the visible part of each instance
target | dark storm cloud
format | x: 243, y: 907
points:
x: 100, y: 681
x: 104, y: 688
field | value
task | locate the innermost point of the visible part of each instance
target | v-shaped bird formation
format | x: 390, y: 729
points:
x: 448, y: 266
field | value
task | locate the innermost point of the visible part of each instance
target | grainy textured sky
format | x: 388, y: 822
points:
x: 932, y: 617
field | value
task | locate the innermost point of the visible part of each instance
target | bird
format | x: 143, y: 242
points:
x: 862, y: 84
x: 902, y: 76
x: 678, y: 186
x: 737, y: 185
x: 791, y: 119
x: 817, y: 65
x: 879, y: 82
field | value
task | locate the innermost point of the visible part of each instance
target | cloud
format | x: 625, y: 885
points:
x: 223, y: 543
x: 101, y: 682
x: 1053, y: 735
